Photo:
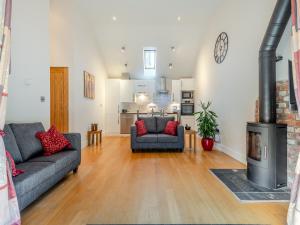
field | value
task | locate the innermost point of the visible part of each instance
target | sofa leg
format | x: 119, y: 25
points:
x: 75, y: 170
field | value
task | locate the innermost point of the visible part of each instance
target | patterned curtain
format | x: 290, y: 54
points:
x: 294, y: 208
x: 9, y: 209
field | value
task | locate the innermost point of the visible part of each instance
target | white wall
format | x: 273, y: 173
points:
x: 29, y: 78
x: 73, y: 44
x: 233, y: 85
x: 285, y: 50
x: 140, y: 24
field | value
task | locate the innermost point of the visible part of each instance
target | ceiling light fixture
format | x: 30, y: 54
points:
x: 178, y: 18
x: 173, y: 49
x: 114, y: 18
x: 170, y: 66
x: 123, y: 49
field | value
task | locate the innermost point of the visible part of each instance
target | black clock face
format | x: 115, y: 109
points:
x: 221, y: 47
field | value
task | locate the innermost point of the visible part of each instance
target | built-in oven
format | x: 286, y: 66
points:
x: 187, y: 94
x: 187, y: 109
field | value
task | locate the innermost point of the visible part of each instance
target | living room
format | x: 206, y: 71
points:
x: 160, y: 112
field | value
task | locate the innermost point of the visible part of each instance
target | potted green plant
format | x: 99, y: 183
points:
x: 207, y: 125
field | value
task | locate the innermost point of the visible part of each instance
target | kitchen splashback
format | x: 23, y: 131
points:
x: 161, y: 102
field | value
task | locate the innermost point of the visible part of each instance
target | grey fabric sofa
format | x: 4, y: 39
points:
x: 156, y: 139
x: 41, y: 172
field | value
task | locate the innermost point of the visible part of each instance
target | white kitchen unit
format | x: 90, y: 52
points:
x: 127, y: 91
x: 176, y: 91
x: 151, y: 88
x: 188, y: 84
x: 144, y: 86
x: 112, y: 106
x: 189, y: 120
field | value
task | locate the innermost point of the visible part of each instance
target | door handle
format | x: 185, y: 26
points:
x: 265, y: 152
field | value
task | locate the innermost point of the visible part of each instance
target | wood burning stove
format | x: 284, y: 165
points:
x: 267, y: 154
x: 266, y: 140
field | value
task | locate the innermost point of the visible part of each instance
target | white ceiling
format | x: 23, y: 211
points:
x: 149, y: 23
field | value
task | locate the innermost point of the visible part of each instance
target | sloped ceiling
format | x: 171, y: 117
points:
x: 149, y: 23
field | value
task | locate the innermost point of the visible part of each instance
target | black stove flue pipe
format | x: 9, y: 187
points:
x: 267, y: 61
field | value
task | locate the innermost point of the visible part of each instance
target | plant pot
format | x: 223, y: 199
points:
x: 207, y: 144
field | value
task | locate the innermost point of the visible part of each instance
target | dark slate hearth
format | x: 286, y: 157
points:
x: 246, y: 191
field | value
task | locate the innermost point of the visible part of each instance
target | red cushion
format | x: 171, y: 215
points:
x: 171, y: 128
x: 141, y: 128
x: 52, y: 141
x: 14, y: 171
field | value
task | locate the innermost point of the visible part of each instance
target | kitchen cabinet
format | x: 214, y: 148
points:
x: 176, y: 91
x: 144, y: 86
x: 151, y: 89
x: 187, y: 84
x: 127, y: 119
x: 112, y: 106
x: 151, y: 84
x: 130, y: 88
x: 127, y: 93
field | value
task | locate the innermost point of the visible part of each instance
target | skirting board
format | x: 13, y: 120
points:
x: 228, y: 151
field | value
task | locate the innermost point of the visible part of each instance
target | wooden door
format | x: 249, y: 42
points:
x: 59, y: 98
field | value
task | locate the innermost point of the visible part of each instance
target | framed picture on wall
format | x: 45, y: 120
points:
x: 89, y: 85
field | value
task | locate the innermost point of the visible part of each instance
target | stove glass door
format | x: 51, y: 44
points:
x: 254, y: 145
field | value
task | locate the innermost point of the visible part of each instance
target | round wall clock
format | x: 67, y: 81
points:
x: 221, y: 47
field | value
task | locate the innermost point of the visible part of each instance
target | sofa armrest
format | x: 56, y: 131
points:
x: 180, y: 134
x: 75, y: 140
x: 133, y: 131
x: 133, y: 134
x: 180, y: 131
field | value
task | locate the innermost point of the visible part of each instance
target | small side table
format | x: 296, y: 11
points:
x: 91, y: 135
x: 191, y: 133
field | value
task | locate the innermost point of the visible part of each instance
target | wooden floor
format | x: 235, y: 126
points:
x: 115, y: 186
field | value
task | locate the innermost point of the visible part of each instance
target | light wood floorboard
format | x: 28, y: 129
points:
x: 114, y: 185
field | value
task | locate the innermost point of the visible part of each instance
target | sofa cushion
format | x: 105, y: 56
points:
x: 171, y: 128
x: 140, y: 128
x: 11, y: 145
x: 35, y: 174
x: 150, y: 123
x: 148, y: 138
x: 161, y: 122
x: 61, y: 159
x: 28, y: 144
x: 53, y: 141
x: 165, y: 138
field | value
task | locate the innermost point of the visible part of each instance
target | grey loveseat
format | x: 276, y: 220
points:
x: 156, y: 139
x: 41, y: 172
